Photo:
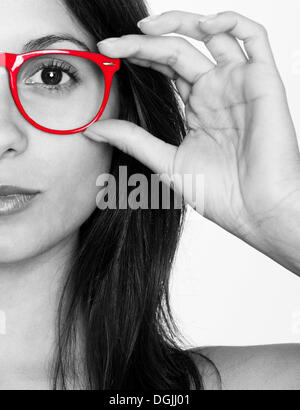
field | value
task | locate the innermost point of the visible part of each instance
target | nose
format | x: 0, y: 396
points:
x: 12, y: 140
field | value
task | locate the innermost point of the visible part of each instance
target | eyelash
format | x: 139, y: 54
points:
x: 55, y: 64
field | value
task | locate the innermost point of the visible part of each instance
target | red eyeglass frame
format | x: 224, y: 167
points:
x: 13, y: 63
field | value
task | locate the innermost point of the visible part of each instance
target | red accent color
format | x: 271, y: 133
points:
x: 13, y: 63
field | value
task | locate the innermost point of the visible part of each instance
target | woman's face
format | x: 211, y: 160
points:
x: 63, y: 168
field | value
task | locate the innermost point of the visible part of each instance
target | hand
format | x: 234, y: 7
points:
x: 241, y: 136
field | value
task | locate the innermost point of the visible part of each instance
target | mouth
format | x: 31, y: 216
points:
x: 15, y: 199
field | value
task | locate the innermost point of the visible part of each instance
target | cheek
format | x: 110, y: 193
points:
x: 74, y: 191
x: 68, y: 172
x: 77, y: 171
x: 71, y: 197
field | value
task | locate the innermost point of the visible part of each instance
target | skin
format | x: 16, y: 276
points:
x: 241, y: 138
x: 36, y: 245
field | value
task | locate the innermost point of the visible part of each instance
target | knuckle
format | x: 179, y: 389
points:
x: 228, y: 13
x: 172, y: 13
x: 206, y: 39
x: 133, y: 130
x: 262, y: 29
x: 176, y: 47
x: 181, y: 42
x: 172, y: 58
x: 127, y: 36
x: 166, y: 13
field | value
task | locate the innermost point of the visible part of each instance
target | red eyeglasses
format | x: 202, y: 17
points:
x: 60, y: 91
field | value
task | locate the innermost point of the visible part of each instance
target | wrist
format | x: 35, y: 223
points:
x: 277, y: 234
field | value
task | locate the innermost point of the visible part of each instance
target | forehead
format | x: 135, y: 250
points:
x: 24, y: 20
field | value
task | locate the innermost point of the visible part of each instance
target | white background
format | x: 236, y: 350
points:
x: 223, y: 292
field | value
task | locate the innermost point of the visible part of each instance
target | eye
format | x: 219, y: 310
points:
x: 51, y: 76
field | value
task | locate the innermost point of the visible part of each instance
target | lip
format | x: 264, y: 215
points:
x: 15, y: 199
x: 6, y: 190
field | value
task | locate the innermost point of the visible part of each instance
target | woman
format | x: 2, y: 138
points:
x: 104, y: 273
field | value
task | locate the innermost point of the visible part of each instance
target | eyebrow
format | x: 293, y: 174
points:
x: 46, y: 41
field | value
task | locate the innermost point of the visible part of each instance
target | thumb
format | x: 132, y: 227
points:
x: 136, y: 142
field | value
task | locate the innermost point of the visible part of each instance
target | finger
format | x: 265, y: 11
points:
x: 175, y: 52
x: 223, y: 47
x: 162, y: 68
x: 133, y: 140
x: 183, y: 86
x: 184, y: 89
x: 253, y: 34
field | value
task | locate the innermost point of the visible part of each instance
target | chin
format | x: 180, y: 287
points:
x: 15, y: 246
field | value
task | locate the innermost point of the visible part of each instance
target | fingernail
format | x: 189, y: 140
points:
x: 94, y: 136
x: 107, y: 41
x: 207, y: 18
x: 148, y: 19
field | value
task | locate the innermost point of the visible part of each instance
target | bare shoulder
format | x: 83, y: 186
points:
x: 274, y: 367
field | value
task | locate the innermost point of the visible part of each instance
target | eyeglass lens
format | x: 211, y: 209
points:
x: 61, y: 92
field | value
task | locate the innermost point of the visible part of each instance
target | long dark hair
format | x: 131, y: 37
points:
x: 117, y: 291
